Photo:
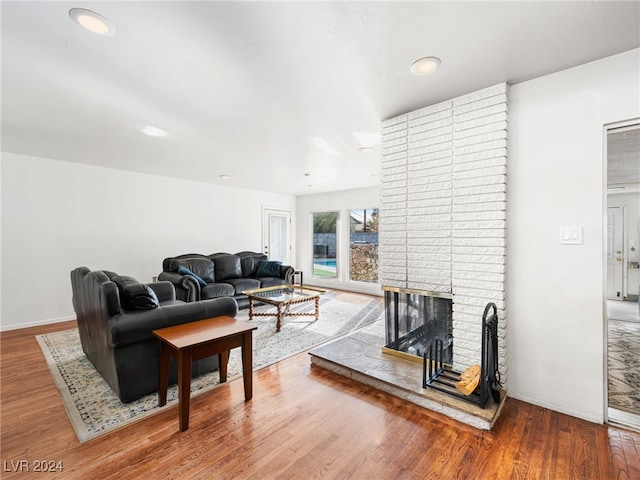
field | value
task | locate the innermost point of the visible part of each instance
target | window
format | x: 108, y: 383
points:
x: 325, y: 227
x: 363, y: 245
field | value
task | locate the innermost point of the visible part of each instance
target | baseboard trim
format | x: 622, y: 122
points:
x: 559, y: 408
x: 37, y: 323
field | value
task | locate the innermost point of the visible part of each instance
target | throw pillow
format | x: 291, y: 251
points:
x: 185, y: 271
x: 135, y: 295
x: 202, y: 267
x: 249, y: 263
x: 268, y: 268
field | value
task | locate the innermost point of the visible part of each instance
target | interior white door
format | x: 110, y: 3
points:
x: 615, y: 260
x: 276, y: 235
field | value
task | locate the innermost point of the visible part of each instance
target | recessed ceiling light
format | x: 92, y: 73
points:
x: 154, y: 131
x: 425, y: 65
x: 225, y: 177
x: 365, y: 149
x: 92, y: 21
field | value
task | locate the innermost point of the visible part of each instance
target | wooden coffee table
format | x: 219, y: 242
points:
x: 195, y: 340
x: 282, y: 297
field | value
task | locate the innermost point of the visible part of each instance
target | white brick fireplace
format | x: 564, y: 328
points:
x: 443, y: 210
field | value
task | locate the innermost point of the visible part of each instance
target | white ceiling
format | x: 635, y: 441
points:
x: 278, y: 95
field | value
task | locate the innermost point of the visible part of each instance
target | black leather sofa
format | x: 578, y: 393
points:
x: 116, y: 316
x: 200, y: 277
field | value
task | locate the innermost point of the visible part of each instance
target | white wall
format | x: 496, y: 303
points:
x: 328, y: 202
x: 632, y: 203
x: 555, y: 293
x: 59, y: 215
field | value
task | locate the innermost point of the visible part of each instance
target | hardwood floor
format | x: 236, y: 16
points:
x: 302, y: 423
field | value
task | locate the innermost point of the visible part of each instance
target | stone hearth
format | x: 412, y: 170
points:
x: 359, y: 356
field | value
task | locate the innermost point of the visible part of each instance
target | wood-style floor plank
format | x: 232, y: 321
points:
x: 303, y: 422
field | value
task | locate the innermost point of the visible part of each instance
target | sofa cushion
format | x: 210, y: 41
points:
x: 249, y: 263
x: 135, y: 295
x: 202, y: 267
x: 271, y: 281
x: 242, y: 284
x: 268, y: 269
x: 227, y: 267
x: 182, y: 270
x: 215, y: 290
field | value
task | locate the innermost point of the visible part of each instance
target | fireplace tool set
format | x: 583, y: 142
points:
x: 477, y: 382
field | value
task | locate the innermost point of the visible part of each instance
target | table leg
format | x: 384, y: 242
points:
x: 163, y: 373
x: 247, y: 365
x: 317, y: 308
x: 223, y: 363
x: 279, y: 318
x: 250, y: 308
x: 184, y: 387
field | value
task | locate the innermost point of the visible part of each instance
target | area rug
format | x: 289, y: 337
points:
x: 95, y: 410
x: 623, y: 310
x: 623, y: 366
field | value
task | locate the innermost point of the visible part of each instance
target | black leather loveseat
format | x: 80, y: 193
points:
x: 116, y: 316
x: 200, y: 277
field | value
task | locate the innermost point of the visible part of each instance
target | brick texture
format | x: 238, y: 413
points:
x: 443, y: 209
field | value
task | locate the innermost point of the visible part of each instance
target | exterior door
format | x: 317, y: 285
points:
x: 276, y: 234
x: 615, y: 260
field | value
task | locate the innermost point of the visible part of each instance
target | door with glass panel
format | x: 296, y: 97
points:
x: 276, y: 235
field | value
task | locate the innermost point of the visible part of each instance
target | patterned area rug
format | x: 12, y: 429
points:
x: 624, y: 366
x: 94, y: 409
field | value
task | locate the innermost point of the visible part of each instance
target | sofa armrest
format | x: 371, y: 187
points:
x: 165, y: 291
x: 112, y: 296
x: 286, y: 272
x: 217, y: 307
x: 186, y: 287
x: 137, y: 326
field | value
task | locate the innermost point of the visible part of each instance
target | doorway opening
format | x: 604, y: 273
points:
x: 622, y: 285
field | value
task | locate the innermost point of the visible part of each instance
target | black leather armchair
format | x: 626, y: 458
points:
x: 221, y: 275
x: 118, y: 341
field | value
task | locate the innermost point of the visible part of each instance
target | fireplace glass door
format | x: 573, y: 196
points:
x: 413, y: 319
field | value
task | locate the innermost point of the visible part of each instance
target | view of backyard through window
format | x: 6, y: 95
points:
x: 363, y: 245
x: 325, y: 226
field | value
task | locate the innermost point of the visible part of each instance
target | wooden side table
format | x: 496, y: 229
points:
x: 195, y: 340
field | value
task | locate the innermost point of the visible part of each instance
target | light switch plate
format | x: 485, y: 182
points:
x: 571, y: 235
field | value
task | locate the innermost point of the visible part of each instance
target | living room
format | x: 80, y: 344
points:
x: 59, y: 214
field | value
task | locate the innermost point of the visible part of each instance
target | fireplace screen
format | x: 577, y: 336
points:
x: 413, y: 319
